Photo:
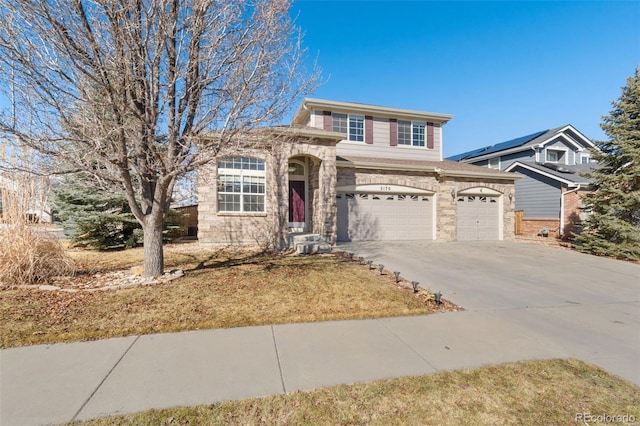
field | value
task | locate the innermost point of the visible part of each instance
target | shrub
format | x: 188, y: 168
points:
x: 29, y: 255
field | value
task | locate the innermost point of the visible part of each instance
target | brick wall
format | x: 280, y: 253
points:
x: 573, y: 211
x: 531, y: 227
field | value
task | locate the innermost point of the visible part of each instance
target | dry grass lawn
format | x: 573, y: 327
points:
x: 531, y: 393
x: 221, y: 288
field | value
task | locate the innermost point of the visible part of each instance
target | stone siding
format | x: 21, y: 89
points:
x: 271, y: 227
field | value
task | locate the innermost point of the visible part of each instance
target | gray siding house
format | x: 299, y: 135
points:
x: 551, y: 163
x: 348, y: 171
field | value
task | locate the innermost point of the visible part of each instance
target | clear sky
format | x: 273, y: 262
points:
x: 504, y: 68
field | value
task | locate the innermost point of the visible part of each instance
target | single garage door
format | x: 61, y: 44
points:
x: 369, y: 217
x: 478, y: 218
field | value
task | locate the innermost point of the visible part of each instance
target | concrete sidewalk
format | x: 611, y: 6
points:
x: 63, y: 382
x: 575, y: 306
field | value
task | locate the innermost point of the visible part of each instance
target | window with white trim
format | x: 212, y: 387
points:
x: 352, y: 125
x: 411, y: 133
x: 554, y: 156
x: 339, y: 122
x: 494, y: 163
x: 241, y: 185
x: 356, y: 128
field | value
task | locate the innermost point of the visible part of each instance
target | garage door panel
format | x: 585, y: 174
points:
x: 363, y: 217
x: 478, y: 218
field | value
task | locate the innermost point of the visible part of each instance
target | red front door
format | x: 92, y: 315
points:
x: 296, y: 201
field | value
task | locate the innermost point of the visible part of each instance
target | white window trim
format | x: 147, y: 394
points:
x: 356, y: 117
x: 499, y: 163
x: 412, y: 124
x: 564, y: 155
x: 242, y: 173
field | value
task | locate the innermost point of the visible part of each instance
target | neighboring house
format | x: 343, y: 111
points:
x: 352, y: 172
x: 25, y: 195
x: 551, y: 163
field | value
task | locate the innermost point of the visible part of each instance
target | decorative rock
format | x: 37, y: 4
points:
x: 137, y: 270
x: 48, y: 287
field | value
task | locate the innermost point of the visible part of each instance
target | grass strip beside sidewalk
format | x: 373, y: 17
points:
x: 558, y: 392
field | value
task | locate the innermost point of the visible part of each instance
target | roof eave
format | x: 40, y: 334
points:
x: 569, y: 182
x: 484, y: 175
x: 385, y: 166
x: 309, y: 104
x: 429, y: 169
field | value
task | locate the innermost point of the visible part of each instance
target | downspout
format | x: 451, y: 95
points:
x: 576, y: 189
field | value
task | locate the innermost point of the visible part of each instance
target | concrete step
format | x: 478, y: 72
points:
x: 313, y: 247
x: 305, y: 243
x: 306, y: 238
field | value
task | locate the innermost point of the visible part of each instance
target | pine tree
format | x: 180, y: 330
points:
x: 613, y: 228
x: 98, y: 219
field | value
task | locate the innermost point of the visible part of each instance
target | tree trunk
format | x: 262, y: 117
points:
x: 153, y: 265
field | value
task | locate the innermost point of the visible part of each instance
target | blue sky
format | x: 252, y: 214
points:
x: 504, y: 69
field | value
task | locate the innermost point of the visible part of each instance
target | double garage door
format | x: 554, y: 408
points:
x: 375, y: 217
x: 368, y: 217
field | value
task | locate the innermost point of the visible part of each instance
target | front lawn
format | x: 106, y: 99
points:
x: 221, y: 288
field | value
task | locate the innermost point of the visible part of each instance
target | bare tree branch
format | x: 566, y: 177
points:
x: 127, y: 90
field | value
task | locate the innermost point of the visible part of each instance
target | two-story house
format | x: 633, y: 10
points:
x: 353, y: 172
x: 551, y: 164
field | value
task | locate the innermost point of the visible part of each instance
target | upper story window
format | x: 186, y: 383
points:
x: 585, y: 159
x: 554, y: 156
x: 411, y: 133
x: 351, y: 124
x: 494, y: 163
x: 356, y: 128
x: 241, y: 185
x: 339, y: 122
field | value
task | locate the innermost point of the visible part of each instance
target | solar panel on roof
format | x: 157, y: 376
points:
x: 497, y: 147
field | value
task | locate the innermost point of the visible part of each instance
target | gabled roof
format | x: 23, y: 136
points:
x: 537, y: 139
x: 571, y: 175
x: 308, y: 104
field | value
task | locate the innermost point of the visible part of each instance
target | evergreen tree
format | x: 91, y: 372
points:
x: 613, y: 228
x: 98, y: 219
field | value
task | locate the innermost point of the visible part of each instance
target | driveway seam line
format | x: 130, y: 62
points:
x: 407, y: 345
x: 104, y: 379
x: 275, y: 346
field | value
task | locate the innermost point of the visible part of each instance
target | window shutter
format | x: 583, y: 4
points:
x: 368, y: 129
x: 430, y: 135
x: 393, y: 132
x: 327, y: 123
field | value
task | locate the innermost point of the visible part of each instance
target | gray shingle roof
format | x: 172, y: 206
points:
x: 523, y: 141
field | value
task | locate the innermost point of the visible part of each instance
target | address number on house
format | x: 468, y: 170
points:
x: 385, y: 188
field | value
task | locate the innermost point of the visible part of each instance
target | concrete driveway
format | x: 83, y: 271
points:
x: 586, y: 306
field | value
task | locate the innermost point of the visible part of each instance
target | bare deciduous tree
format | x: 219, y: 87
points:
x: 140, y: 92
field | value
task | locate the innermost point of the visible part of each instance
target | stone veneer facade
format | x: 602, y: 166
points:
x: 271, y: 227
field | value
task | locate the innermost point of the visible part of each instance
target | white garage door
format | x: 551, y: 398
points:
x: 368, y: 217
x: 478, y: 218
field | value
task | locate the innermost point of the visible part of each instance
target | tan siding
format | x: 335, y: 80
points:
x: 315, y: 119
x: 380, y: 131
x: 359, y: 149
